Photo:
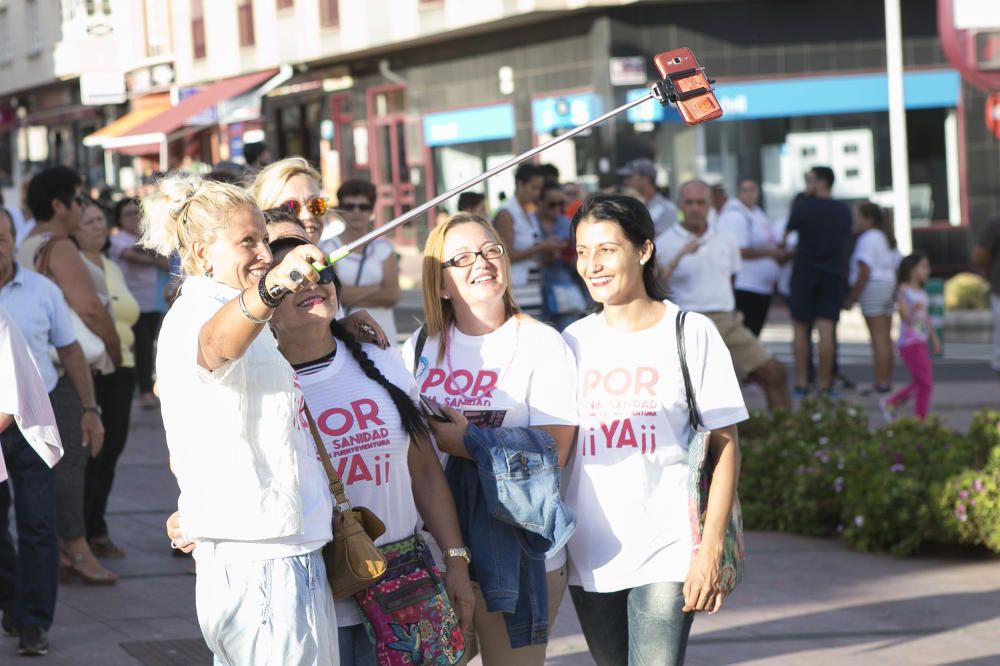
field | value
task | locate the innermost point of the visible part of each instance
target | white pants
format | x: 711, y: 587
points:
x: 995, y: 304
x: 268, y: 612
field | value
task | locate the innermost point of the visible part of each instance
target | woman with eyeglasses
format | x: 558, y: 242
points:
x: 480, y: 356
x: 294, y: 184
x: 370, y: 276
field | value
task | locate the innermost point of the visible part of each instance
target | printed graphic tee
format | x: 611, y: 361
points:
x: 364, y: 435
x: 521, y: 374
x: 627, y: 479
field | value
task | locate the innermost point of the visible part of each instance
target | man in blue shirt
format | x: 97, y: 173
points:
x: 819, y: 274
x: 29, y: 575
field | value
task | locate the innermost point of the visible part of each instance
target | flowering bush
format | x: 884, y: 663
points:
x: 819, y: 471
x: 970, y: 502
x: 794, y: 466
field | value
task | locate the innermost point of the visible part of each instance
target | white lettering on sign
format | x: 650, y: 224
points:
x: 737, y: 104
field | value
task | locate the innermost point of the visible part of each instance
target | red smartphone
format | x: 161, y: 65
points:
x: 681, y: 67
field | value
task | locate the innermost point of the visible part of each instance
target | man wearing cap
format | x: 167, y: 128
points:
x: 640, y: 175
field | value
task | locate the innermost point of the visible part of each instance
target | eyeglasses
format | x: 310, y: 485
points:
x: 362, y: 207
x: 463, y: 259
x: 315, y: 205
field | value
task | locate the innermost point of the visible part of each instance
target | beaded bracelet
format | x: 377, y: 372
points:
x: 270, y: 300
x: 246, y: 313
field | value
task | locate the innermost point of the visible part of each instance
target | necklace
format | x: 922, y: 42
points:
x: 510, y: 361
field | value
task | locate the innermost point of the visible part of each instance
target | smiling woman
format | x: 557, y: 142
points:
x: 253, y: 495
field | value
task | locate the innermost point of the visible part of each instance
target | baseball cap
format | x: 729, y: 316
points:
x: 642, y: 166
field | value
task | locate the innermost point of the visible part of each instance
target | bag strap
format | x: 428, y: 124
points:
x: 418, y: 348
x: 693, y: 418
x: 361, y: 265
x: 336, y: 487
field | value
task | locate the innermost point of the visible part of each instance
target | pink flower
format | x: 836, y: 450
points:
x: 897, y: 468
x: 977, y: 485
x: 964, y: 494
x: 859, y: 521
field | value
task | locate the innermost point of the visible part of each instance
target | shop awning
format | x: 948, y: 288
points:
x: 148, y: 136
x: 149, y: 108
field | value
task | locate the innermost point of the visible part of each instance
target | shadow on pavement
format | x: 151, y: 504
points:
x: 897, y: 622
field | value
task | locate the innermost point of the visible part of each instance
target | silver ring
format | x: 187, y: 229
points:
x: 177, y: 542
x: 295, y: 276
x: 366, y: 329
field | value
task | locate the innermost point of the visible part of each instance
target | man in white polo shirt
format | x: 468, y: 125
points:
x: 697, y: 263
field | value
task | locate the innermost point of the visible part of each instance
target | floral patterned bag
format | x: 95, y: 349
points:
x: 700, y: 479
x: 407, y: 613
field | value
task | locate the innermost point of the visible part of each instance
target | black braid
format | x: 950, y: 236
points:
x: 409, y: 414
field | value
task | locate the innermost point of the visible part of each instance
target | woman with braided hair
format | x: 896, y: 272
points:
x: 363, y: 401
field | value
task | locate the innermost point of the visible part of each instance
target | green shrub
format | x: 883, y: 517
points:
x: 894, y: 480
x: 794, y: 466
x: 969, y: 504
x: 966, y: 291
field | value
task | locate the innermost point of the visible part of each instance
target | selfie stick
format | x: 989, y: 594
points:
x: 662, y: 91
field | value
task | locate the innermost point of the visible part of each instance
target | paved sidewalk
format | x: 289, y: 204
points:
x: 804, y: 601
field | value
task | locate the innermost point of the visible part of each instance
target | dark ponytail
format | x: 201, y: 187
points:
x: 413, y: 420
x: 881, y: 220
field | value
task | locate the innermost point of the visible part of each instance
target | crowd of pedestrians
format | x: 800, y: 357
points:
x: 535, y: 435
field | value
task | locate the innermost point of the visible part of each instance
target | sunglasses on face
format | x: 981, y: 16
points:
x: 315, y: 205
x: 463, y: 259
x: 356, y: 206
x: 326, y: 275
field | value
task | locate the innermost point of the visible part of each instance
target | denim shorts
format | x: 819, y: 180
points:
x: 267, y: 612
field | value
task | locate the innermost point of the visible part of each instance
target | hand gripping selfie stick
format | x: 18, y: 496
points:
x: 664, y: 91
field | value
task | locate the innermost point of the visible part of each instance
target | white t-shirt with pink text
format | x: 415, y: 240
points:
x: 520, y: 375
x: 627, y: 478
x: 364, y: 435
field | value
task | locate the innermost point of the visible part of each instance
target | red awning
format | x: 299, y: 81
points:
x: 146, y: 137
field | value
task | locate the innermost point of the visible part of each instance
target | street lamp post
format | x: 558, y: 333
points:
x: 897, y: 128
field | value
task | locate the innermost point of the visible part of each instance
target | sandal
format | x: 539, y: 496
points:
x: 70, y: 572
x: 104, y: 547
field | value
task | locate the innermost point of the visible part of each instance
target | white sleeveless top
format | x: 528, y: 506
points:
x: 526, y: 234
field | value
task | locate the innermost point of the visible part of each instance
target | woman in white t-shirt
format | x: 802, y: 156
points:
x: 873, y: 284
x: 362, y: 399
x: 253, y: 495
x: 633, y: 578
x: 500, y: 368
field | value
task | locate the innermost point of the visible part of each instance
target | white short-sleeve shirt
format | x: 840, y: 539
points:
x: 872, y: 249
x: 520, y: 375
x: 628, y: 476
x: 363, y: 268
x: 363, y: 433
x: 702, y: 281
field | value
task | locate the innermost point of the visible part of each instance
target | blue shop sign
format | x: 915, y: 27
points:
x: 482, y: 123
x: 566, y: 111
x: 817, y: 96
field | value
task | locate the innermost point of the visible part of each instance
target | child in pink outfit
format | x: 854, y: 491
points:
x: 915, y: 332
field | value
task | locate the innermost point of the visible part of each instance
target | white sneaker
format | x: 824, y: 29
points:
x: 888, y: 410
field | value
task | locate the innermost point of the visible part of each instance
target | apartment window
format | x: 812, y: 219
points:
x: 157, y: 24
x: 286, y: 4
x: 329, y: 13
x: 98, y: 7
x: 34, y: 28
x: 198, y: 29
x: 244, y: 14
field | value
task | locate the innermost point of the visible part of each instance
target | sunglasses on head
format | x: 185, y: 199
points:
x: 315, y: 205
x: 356, y: 206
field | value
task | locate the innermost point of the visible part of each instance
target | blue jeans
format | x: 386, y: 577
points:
x: 29, y: 575
x: 643, y: 626
x: 356, y: 649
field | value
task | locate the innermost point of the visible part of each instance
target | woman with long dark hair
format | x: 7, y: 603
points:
x: 637, y: 574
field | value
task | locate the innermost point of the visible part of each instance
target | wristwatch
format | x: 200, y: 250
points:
x: 95, y: 408
x: 462, y: 552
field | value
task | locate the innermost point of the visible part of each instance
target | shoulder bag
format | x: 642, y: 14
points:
x: 353, y: 562
x: 700, y: 468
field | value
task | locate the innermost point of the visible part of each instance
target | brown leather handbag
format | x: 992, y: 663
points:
x: 353, y: 561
